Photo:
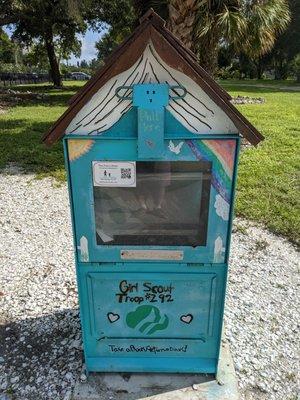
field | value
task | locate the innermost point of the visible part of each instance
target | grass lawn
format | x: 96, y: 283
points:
x: 269, y: 175
x: 260, y: 83
x: 268, y: 182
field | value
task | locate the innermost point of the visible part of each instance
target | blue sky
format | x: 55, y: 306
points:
x: 88, y: 51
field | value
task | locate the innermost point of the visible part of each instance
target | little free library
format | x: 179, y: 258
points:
x: 151, y: 147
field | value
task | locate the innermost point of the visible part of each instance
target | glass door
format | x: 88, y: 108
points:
x: 168, y: 206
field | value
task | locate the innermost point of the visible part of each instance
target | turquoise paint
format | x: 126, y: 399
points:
x: 178, y: 328
x: 150, y: 100
x: 181, y: 347
x: 126, y: 150
x: 150, y: 96
x: 150, y: 133
x: 153, y: 364
x: 79, y: 281
x: 234, y: 181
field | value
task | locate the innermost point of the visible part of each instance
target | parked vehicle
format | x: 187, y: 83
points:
x: 15, y: 78
x: 80, y: 76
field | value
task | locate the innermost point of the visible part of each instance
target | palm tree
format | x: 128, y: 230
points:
x: 179, y: 14
x: 216, y: 21
x: 251, y: 26
x: 182, y: 19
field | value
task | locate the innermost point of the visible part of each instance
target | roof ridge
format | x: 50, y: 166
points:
x: 152, y: 15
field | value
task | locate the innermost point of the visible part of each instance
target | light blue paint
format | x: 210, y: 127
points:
x: 150, y: 133
x: 150, y: 96
x: 150, y: 101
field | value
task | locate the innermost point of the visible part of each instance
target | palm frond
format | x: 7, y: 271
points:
x: 266, y: 20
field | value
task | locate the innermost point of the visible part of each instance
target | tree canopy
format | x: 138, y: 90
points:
x: 55, y: 23
x: 6, y: 48
x: 251, y: 29
x: 248, y: 26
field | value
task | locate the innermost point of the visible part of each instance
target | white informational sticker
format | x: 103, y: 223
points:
x: 114, y: 173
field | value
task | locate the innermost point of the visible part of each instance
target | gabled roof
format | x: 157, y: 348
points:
x: 172, y: 52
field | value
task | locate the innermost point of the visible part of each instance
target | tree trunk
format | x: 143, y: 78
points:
x: 54, y: 65
x: 208, y: 56
x: 181, y: 20
x: 259, y: 69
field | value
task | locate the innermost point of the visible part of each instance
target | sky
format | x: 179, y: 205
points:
x: 88, y: 51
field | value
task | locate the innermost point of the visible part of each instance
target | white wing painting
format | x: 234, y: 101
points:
x: 197, y: 112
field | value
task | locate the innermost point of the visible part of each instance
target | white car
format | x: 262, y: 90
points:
x: 80, y: 76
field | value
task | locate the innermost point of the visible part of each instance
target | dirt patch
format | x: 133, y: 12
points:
x: 247, y: 100
x: 10, y: 98
x: 2, y: 109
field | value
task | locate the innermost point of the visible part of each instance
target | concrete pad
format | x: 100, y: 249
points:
x: 132, y: 386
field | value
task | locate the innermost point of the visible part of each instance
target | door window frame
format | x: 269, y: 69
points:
x: 116, y: 148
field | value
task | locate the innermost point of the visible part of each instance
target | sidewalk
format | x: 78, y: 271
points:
x: 162, y: 386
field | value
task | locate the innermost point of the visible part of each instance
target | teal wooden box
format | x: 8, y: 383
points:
x: 181, y: 347
x: 151, y: 149
x: 183, y: 313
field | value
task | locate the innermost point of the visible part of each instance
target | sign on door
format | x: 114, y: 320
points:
x: 117, y: 174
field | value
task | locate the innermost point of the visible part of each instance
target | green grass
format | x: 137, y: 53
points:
x: 268, y: 179
x: 260, y: 82
x: 22, y: 128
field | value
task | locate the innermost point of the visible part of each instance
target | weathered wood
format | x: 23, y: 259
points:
x: 156, y: 19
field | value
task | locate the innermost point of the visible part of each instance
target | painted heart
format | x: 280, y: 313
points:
x: 187, y: 319
x: 113, y: 317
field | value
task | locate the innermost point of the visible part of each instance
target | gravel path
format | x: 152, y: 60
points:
x: 40, y: 345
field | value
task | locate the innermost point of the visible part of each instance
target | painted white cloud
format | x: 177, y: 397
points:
x: 219, y: 250
x: 222, y: 207
x: 84, y: 249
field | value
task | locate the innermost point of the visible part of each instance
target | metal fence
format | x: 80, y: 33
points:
x: 12, y: 78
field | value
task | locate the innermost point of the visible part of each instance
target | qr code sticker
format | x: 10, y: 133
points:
x: 125, y: 173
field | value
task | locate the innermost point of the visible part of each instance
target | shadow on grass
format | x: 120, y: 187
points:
x: 256, y: 88
x: 20, y: 143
